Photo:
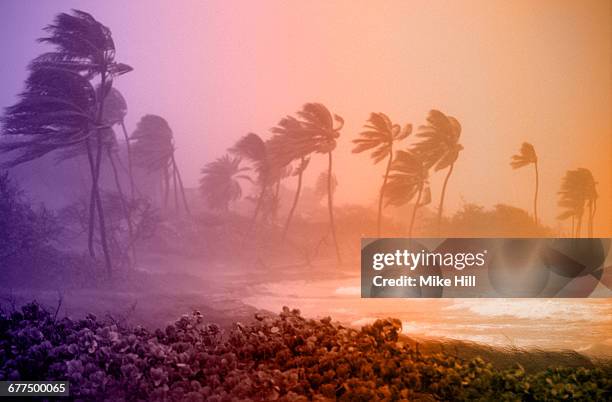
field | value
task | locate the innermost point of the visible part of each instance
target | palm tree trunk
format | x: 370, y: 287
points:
x: 382, y: 193
x: 180, y: 180
x: 330, y: 206
x: 253, y: 222
x: 579, y: 226
x: 92, y: 203
x: 174, y: 185
x: 166, y: 187
x: 441, y: 205
x: 590, y: 221
x: 98, y: 164
x: 129, y: 157
x: 294, y: 204
x: 592, y: 218
x: 126, y: 210
x: 107, y: 258
x: 276, y: 201
x: 414, y: 210
x: 535, y: 197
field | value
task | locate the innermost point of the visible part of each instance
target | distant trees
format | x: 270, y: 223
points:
x: 24, y: 230
x: 220, y: 183
x: 253, y: 149
x: 153, y: 150
x: 60, y: 107
x: 408, y: 179
x: 379, y: 135
x: 578, y: 190
x: 527, y: 156
x: 439, y: 148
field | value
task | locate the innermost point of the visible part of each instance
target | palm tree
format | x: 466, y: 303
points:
x: 153, y: 150
x: 220, y: 183
x: 253, y: 149
x: 439, y: 148
x: 314, y: 130
x: 379, y: 135
x: 578, y: 189
x: 526, y: 157
x: 299, y: 172
x: 321, y: 186
x: 115, y: 110
x: 408, y: 178
x: 60, y: 108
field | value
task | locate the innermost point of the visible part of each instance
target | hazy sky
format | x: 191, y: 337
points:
x: 510, y: 71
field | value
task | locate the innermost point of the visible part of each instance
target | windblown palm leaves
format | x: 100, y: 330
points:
x: 220, y: 183
x: 83, y: 45
x: 379, y: 136
x: 439, y: 148
x: 408, y: 179
x: 152, y: 144
x: 314, y: 130
x: 578, y: 190
x: 526, y: 157
x: 60, y: 108
x: 56, y: 111
x: 153, y: 150
x: 253, y: 149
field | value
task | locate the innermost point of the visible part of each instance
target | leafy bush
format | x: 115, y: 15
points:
x: 23, y: 229
x: 285, y: 357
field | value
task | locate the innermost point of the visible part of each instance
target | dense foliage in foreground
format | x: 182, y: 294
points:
x: 286, y: 357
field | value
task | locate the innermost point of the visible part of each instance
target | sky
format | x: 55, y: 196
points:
x: 508, y: 71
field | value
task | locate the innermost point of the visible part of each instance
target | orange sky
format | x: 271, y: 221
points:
x: 509, y: 71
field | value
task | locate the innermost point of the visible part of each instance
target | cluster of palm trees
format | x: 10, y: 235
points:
x: 578, y: 193
x: 313, y: 130
x: 69, y: 106
x: 407, y: 172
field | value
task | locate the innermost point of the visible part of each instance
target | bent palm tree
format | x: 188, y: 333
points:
x: 253, y: 149
x: 315, y: 130
x: 115, y: 110
x: 439, y: 148
x: 299, y: 172
x: 220, y: 183
x: 380, y: 135
x: 153, y: 150
x: 578, y: 189
x: 408, y: 178
x: 526, y: 157
x: 60, y: 108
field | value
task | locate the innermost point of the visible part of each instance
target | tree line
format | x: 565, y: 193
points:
x: 69, y: 107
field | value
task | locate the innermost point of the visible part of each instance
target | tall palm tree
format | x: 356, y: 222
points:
x: 220, y: 183
x: 408, y: 178
x: 58, y: 94
x: 525, y: 157
x: 314, y: 130
x: 439, y: 148
x: 153, y: 150
x: 115, y: 110
x: 299, y: 172
x: 578, y: 189
x: 380, y: 134
x: 253, y: 149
